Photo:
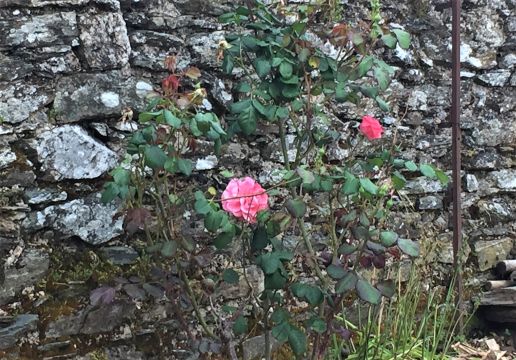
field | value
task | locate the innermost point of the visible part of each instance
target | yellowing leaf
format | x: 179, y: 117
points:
x: 212, y: 191
x: 314, y: 62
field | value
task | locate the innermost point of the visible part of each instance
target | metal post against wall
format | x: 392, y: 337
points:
x: 456, y: 149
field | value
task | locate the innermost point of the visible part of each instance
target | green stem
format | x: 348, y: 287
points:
x: 191, y: 295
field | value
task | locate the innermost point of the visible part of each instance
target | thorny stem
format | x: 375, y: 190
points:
x: 195, y: 305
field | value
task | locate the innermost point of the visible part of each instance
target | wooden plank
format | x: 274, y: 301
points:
x: 498, y: 284
x: 505, y: 266
x: 505, y: 296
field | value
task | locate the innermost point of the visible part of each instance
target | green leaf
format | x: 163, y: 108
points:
x: 281, y: 331
x: 346, y: 249
x: 409, y: 247
x: 247, y: 121
x: 403, y: 38
x: 185, y: 166
x: 351, y: 186
x: 201, y: 205
x: 286, y: 69
x: 297, y: 340
x: 154, y: 157
x: 307, y: 176
x: 171, y: 119
x: 365, y: 65
x: 228, y: 64
x: 243, y: 87
x: 240, y: 325
x: 290, y: 91
x: 147, y: 116
x: 387, y: 288
x: 260, y: 239
x: 410, y: 165
x: 213, y: 220
x: 384, y: 105
x: 317, y: 324
x: 280, y: 315
x: 428, y: 171
x: 169, y: 249
x: 121, y: 176
x: 443, y: 178
x: 240, y: 106
x: 296, y: 207
x: 367, y: 292
x: 346, y: 283
x: 382, y: 77
x: 389, y: 40
x: 311, y: 294
x: 230, y: 276
x: 369, y: 186
x: 388, y: 238
x: 369, y: 91
x: 110, y: 192
x: 398, y: 180
x: 262, y: 66
x: 275, y: 281
x: 336, y: 272
x: 224, y: 239
x: 269, y: 263
x: 303, y: 54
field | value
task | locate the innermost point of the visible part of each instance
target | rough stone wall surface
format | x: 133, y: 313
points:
x: 69, y: 67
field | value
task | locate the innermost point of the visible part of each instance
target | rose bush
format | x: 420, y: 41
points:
x: 244, y: 198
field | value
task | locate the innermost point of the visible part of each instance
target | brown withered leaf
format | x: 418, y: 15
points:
x: 193, y: 73
x: 135, y: 219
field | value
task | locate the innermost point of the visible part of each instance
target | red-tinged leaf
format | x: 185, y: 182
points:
x: 379, y: 261
x: 135, y: 219
x: 102, y: 295
x: 193, y: 73
x: 170, y: 84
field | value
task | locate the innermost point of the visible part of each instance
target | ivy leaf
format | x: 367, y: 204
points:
x: 230, y: 276
x: 109, y: 193
x: 403, y: 38
x: 428, y: 171
x: 409, y: 247
x: 154, y: 157
x: 346, y: 283
x: 296, y: 207
x: 240, y: 325
x: 367, y: 292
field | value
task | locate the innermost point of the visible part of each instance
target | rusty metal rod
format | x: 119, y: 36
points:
x: 456, y: 148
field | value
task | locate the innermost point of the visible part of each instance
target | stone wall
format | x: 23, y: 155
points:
x: 68, y: 68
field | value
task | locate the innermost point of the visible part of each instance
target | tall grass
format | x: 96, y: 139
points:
x: 419, y: 323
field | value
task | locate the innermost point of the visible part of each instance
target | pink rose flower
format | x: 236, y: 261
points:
x: 371, y: 128
x: 244, y: 198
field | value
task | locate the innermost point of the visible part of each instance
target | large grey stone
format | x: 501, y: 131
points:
x: 30, y: 268
x: 113, y: 4
x: 496, y: 78
x: 20, y: 99
x: 505, y: 179
x: 490, y: 252
x: 92, y: 96
x: 150, y: 48
x: 68, y: 152
x: 104, y: 40
x: 6, y: 157
x: 91, y: 320
x: 87, y: 219
x: 12, y: 329
x: 35, y: 31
